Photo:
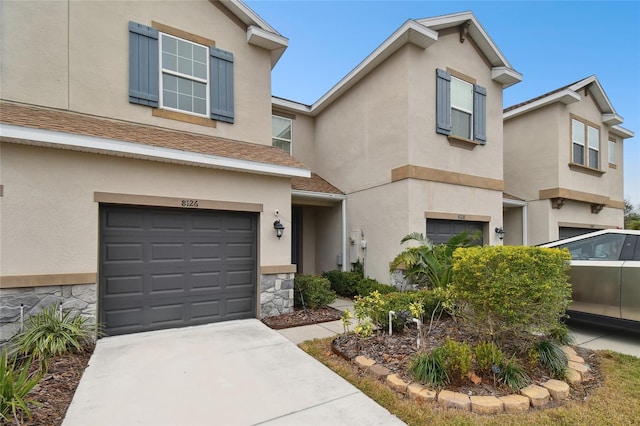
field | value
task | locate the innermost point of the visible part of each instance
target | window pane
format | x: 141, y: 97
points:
x: 594, y: 137
x: 200, y: 90
x: 612, y: 152
x: 185, y: 66
x: 593, y: 158
x: 170, y: 82
x: 461, y: 123
x: 602, y: 247
x: 200, y: 70
x: 577, y: 132
x: 578, y: 154
x: 185, y: 103
x: 200, y: 105
x: 169, y: 44
x: 169, y: 61
x: 184, y: 49
x: 199, y: 54
x: 281, y: 127
x: 170, y: 99
x: 283, y: 145
x: 461, y: 95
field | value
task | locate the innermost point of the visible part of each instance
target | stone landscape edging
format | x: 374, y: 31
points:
x: 536, y: 396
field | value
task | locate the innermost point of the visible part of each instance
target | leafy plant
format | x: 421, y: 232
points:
x: 15, y: 384
x: 507, y: 292
x: 370, y: 309
x: 512, y: 374
x: 366, y: 286
x: 50, y: 333
x: 429, y: 368
x: 312, y: 291
x: 428, y: 264
x: 457, y: 357
x: 553, y: 357
x: 488, y: 354
x: 343, y: 283
x: 346, y: 318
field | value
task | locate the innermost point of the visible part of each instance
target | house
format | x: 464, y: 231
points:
x: 139, y: 183
x: 572, y: 179
x: 412, y: 136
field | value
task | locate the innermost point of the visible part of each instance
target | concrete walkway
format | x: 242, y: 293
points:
x: 229, y: 373
x: 319, y: 331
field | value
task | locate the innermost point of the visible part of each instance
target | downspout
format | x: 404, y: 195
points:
x: 525, y: 230
x: 344, y: 235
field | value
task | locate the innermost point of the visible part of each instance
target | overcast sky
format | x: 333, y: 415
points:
x: 551, y: 43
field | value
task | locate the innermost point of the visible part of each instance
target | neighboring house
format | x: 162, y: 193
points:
x: 139, y: 184
x: 563, y: 158
x: 412, y: 136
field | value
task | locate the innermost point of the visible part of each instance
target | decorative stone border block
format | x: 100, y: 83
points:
x: 530, y: 396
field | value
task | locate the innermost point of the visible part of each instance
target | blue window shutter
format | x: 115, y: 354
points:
x: 143, y: 65
x: 479, y: 114
x: 443, y: 102
x: 221, y: 69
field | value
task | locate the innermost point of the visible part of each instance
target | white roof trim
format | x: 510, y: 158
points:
x: 410, y: 32
x: 290, y: 105
x: 622, y: 132
x: 41, y: 137
x: 566, y: 96
x: 506, y: 76
x: 597, y: 92
x: 317, y: 195
x: 612, y: 119
x: 508, y: 202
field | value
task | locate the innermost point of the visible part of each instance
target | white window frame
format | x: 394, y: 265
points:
x: 589, y: 141
x: 462, y: 109
x: 163, y: 71
x: 273, y: 137
x: 575, y: 141
x: 612, y: 151
x: 591, y: 147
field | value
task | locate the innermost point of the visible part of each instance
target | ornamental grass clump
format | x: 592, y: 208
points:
x: 552, y: 357
x: 52, y: 332
x: 513, y: 375
x: 15, y: 383
x: 429, y: 368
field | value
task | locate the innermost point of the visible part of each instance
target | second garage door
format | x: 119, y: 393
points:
x: 439, y: 231
x: 164, y: 268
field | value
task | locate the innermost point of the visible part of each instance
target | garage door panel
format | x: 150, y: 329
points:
x: 439, y: 231
x: 175, y: 267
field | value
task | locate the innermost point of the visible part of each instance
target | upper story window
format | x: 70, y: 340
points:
x: 461, y: 107
x: 585, y: 141
x: 185, y: 75
x: 281, y: 133
x: 612, y: 152
x: 181, y: 77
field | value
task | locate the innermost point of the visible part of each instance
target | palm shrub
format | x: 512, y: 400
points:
x: 15, y: 383
x: 508, y: 292
x: 312, y: 291
x: 50, y: 333
x: 428, y: 264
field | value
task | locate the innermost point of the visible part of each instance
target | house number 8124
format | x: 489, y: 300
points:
x: 189, y: 203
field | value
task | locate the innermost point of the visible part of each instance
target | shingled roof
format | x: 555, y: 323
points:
x: 314, y: 184
x: 85, y: 125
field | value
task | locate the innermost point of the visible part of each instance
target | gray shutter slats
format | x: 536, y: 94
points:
x: 479, y: 114
x: 143, y: 65
x: 443, y: 102
x: 221, y: 88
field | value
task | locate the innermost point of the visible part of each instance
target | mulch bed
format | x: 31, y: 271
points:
x: 301, y: 317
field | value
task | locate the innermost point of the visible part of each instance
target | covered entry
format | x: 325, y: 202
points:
x: 164, y: 268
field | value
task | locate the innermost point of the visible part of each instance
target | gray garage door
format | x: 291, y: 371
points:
x: 165, y: 268
x: 440, y: 230
x: 566, y: 232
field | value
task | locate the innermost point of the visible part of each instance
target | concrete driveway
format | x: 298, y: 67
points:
x: 231, y: 373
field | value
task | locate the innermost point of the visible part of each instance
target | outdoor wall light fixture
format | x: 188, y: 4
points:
x: 279, y: 227
x: 500, y: 233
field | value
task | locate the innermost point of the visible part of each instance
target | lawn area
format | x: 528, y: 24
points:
x: 615, y: 403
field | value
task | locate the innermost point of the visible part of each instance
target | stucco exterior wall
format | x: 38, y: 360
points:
x: 303, y: 140
x: 76, y: 58
x: 57, y: 231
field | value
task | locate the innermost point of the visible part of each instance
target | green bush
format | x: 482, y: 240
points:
x: 49, y: 333
x: 429, y: 368
x: 457, y: 357
x: 343, y: 283
x: 312, y: 291
x: 488, y: 354
x: 366, y: 286
x: 15, y: 384
x: 507, y: 292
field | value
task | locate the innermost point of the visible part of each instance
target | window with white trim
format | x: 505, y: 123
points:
x: 461, y: 108
x: 185, y: 75
x: 585, y: 141
x: 281, y: 133
x: 612, y: 151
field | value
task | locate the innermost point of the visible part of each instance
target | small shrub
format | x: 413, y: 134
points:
x: 49, y: 334
x: 366, y: 286
x: 553, y: 358
x: 488, y: 354
x: 457, y: 357
x: 431, y: 302
x: 312, y: 291
x: 429, y: 368
x: 343, y: 283
x: 15, y: 384
x: 370, y: 309
x: 512, y: 374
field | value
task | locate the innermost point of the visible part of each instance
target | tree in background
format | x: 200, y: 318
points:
x: 631, y: 216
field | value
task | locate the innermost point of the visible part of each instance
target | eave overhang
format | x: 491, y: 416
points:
x: 566, y: 97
